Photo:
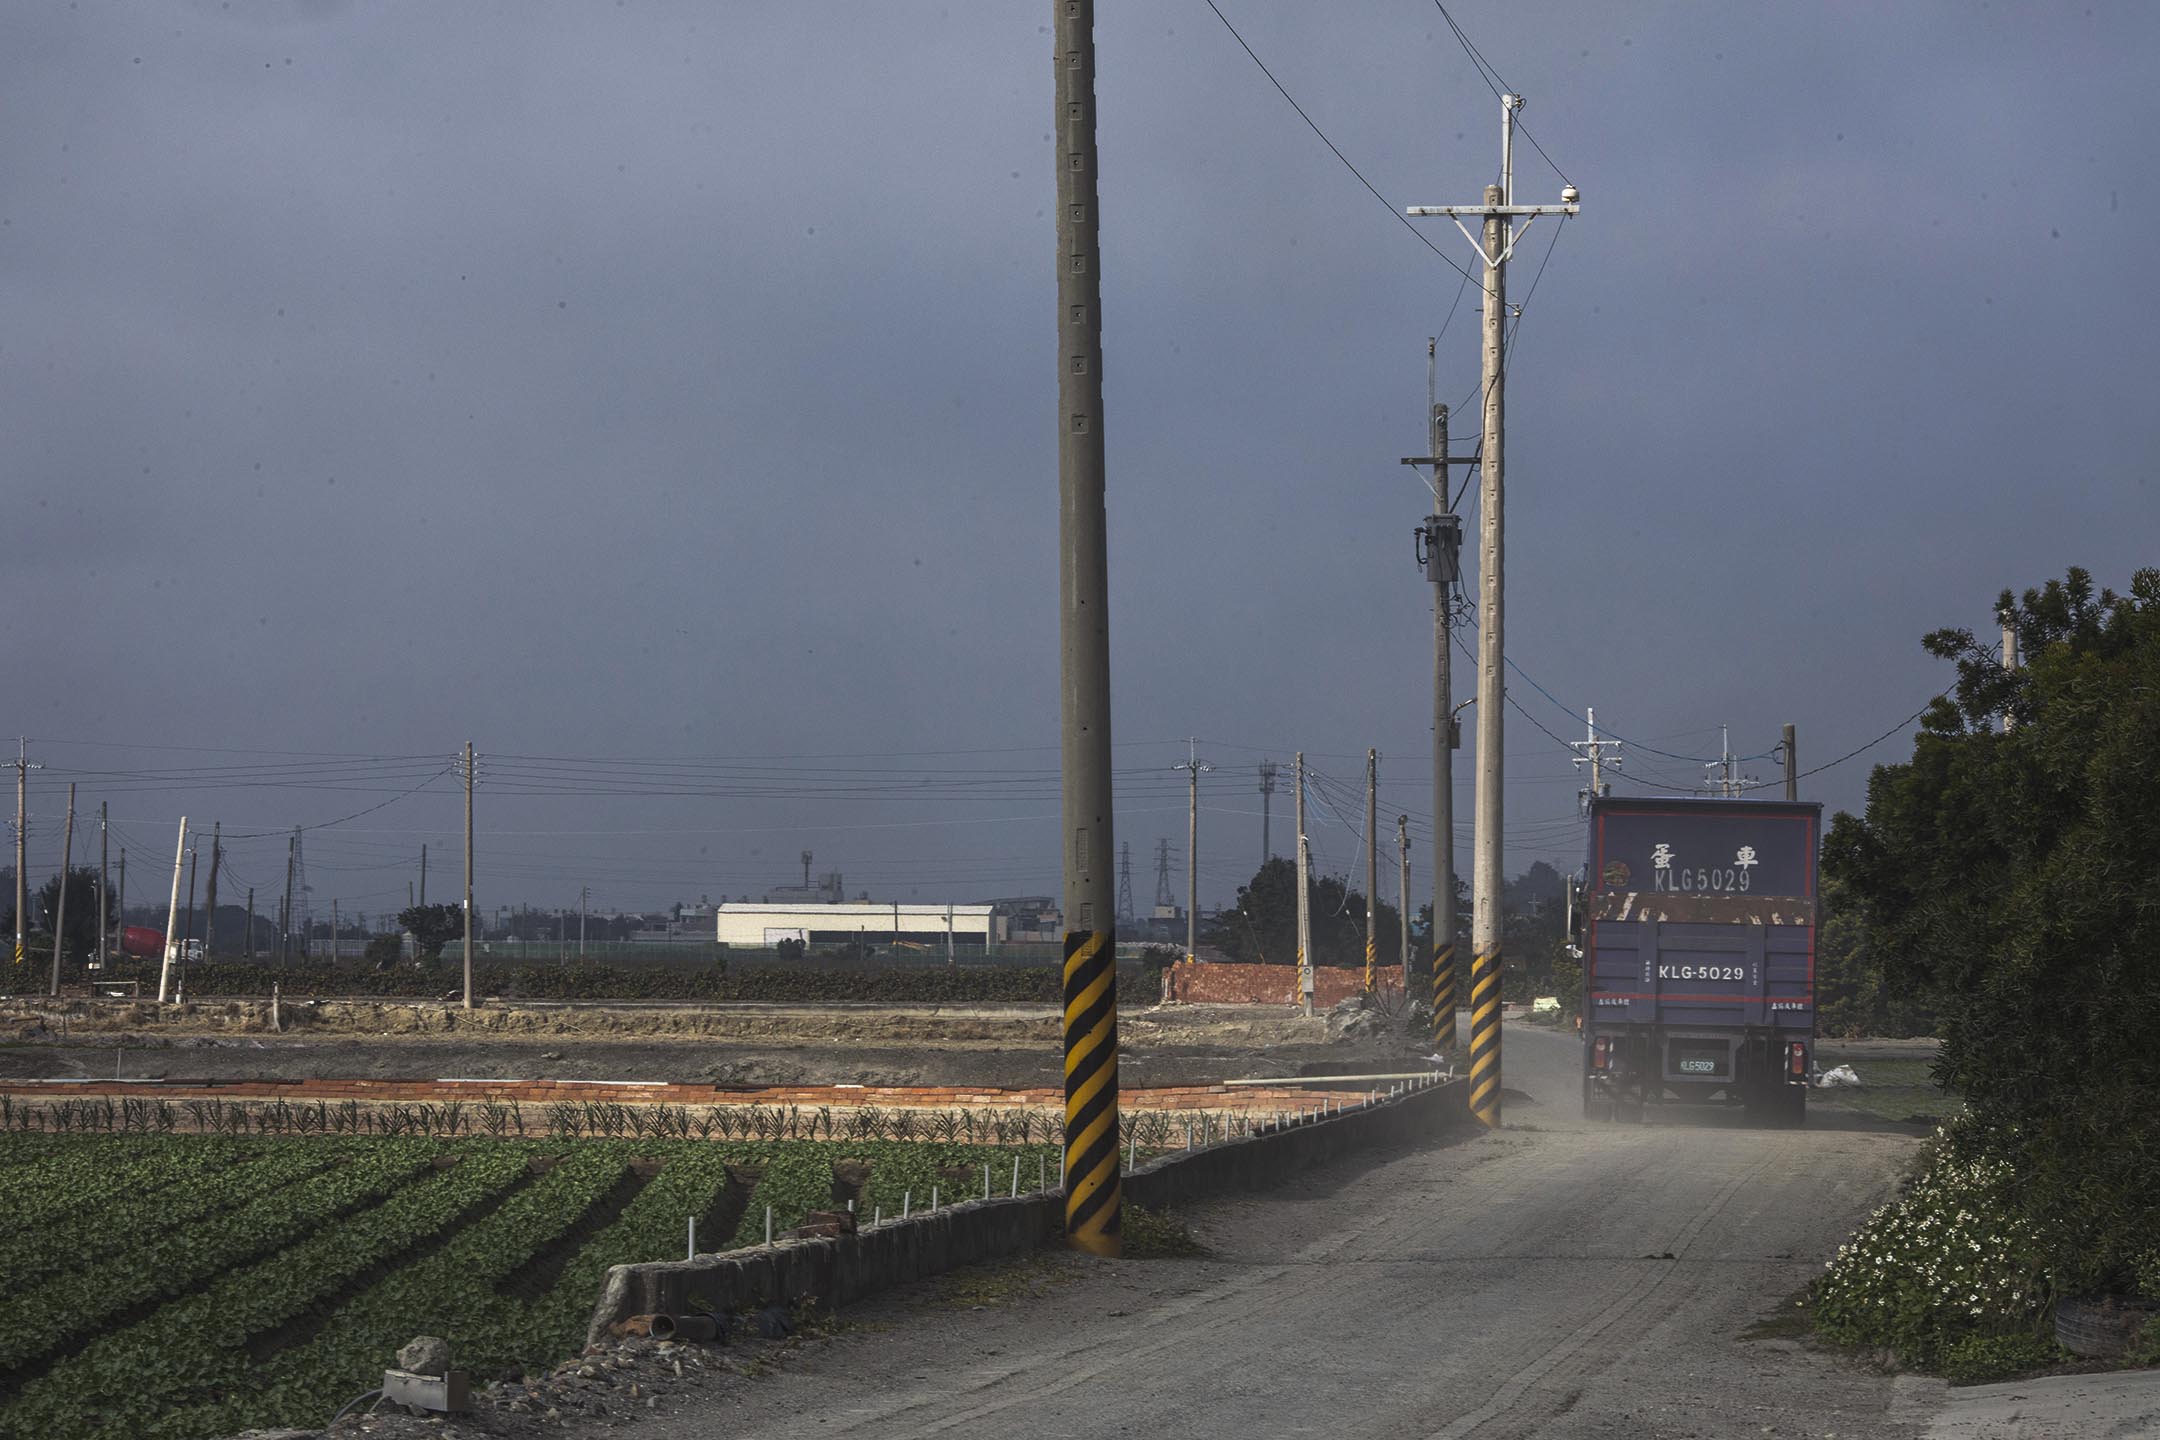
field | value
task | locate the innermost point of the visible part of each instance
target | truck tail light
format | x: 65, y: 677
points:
x: 1796, y: 1060
x: 1601, y: 1053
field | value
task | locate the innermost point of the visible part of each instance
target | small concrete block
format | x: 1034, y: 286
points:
x: 444, y: 1394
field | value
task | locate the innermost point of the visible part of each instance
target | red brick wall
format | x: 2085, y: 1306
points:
x: 1209, y: 984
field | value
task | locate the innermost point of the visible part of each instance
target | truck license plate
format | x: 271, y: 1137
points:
x: 1699, y: 1067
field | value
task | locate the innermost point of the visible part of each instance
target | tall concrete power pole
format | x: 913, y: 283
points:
x: 1304, y: 897
x: 1789, y: 748
x: 2006, y: 617
x: 23, y: 767
x: 1268, y: 769
x: 172, y: 914
x: 104, y: 889
x: 1402, y: 894
x: 1597, y: 754
x: 217, y: 857
x: 1372, y: 866
x: 1092, y: 1188
x: 468, y: 873
x: 1193, y: 766
x: 67, y: 859
x: 1499, y: 214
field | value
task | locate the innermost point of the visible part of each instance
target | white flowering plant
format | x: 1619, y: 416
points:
x: 1951, y: 1261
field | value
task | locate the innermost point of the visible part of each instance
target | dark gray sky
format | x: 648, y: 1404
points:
x: 652, y: 382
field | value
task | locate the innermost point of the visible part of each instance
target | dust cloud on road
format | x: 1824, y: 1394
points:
x: 1555, y: 1279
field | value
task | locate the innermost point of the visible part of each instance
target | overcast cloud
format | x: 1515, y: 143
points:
x: 648, y: 381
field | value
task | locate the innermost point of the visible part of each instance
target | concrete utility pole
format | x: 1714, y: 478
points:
x: 67, y: 858
x: 217, y: 854
x: 285, y: 914
x: 585, y: 893
x: 120, y: 898
x: 468, y: 873
x: 172, y: 915
x: 1193, y: 765
x: 1789, y: 747
x: 1440, y: 553
x: 1268, y: 769
x: 1092, y: 1188
x: 1372, y: 865
x: 1499, y: 213
x: 1402, y: 896
x: 2006, y: 617
x: 187, y: 936
x: 23, y: 767
x: 1592, y: 753
x: 423, y: 874
x: 104, y: 888
x: 1304, y: 897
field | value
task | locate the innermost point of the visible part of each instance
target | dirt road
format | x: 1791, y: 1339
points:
x: 1554, y: 1279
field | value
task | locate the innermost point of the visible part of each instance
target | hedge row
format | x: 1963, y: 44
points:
x: 1039, y: 984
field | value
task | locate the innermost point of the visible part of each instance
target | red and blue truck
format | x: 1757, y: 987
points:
x: 1698, y: 935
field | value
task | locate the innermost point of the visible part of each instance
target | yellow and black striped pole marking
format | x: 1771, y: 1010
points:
x: 1443, y: 996
x: 1091, y: 1092
x: 1485, y: 1039
x: 1368, y: 965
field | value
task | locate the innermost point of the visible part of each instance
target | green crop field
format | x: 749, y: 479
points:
x: 189, y: 1286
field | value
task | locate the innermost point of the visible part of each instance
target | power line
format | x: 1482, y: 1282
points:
x: 1874, y: 742
x: 1392, y: 209
x: 1494, y: 83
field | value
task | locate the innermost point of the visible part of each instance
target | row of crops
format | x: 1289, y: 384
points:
x: 1147, y: 1130
x: 186, y: 1286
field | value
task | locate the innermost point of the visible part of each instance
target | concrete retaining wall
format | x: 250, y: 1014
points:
x: 848, y: 1268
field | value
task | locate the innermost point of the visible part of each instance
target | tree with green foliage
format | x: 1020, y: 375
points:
x: 82, y: 906
x: 2014, y: 876
x: 432, y: 927
x: 1262, y: 927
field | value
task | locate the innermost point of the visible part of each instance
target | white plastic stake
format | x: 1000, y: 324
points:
x: 1016, y: 1178
x: 907, y: 1199
x: 693, y: 1239
x: 986, y: 1179
x: 768, y: 1224
x: 877, y: 1216
x: 933, y: 1197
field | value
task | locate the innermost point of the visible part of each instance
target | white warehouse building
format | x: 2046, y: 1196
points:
x: 967, y: 927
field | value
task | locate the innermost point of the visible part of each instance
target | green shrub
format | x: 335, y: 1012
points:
x: 1950, y: 1260
x: 1980, y: 1359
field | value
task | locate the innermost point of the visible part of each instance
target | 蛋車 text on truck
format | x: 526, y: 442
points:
x: 1698, y: 937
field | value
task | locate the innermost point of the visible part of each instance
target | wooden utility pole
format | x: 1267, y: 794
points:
x: 172, y: 915
x: 468, y: 873
x: 1372, y: 866
x: 1790, y: 748
x: 1092, y: 1185
x: 217, y: 856
x: 1304, y: 897
x: 67, y: 858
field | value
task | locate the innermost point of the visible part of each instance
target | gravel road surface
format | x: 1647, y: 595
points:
x: 1554, y: 1279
